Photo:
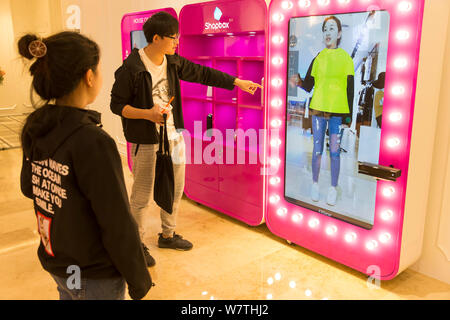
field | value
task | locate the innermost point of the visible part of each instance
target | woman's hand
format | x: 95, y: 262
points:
x: 247, y: 86
x: 295, y: 81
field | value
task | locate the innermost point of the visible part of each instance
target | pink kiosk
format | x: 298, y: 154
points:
x: 224, y: 129
x: 133, y: 37
x: 365, y: 227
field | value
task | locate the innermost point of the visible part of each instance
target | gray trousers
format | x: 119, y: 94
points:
x: 144, y: 163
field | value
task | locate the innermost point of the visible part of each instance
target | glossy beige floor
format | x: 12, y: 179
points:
x: 229, y: 261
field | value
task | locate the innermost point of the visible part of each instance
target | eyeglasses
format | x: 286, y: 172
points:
x: 176, y: 38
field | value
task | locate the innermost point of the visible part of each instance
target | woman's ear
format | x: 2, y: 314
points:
x: 89, y: 78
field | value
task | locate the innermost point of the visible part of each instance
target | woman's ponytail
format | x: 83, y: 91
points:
x: 61, y: 62
x: 24, y: 45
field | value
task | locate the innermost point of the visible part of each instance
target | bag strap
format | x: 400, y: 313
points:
x: 164, y: 138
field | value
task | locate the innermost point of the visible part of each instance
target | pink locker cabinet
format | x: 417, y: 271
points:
x: 224, y: 137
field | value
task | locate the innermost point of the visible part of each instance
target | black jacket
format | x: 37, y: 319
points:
x: 133, y: 86
x: 73, y: 172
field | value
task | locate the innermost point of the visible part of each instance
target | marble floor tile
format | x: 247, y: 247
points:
x: 230, y: 260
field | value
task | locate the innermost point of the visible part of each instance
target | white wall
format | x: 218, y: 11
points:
x: 435, y: 259
x: 105, y: 29
x: 12, y: 95
x: 18, y: 17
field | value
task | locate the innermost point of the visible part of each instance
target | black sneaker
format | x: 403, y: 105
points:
x: 148, y: 258
x: 176, y: 242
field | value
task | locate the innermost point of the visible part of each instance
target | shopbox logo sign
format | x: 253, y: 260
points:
x: 217, y: 14
x: 217, y: 26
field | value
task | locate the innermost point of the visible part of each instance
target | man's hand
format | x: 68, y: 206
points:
x: 155, y: 114
x: 247, y: 86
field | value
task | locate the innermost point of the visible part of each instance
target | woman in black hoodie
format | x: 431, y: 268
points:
x: 73, y: 172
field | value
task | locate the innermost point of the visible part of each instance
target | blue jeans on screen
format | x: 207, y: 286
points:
x: 92, y: 289
x: 319, y: 126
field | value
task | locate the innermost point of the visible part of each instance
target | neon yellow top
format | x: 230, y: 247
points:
x: 330, y: 71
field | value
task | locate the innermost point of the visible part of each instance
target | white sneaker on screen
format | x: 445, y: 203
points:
x: 332, y: 196
x: 315, y: 192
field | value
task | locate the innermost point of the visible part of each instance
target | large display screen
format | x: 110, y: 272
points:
x: 336, y: 71
x: 138, y: 39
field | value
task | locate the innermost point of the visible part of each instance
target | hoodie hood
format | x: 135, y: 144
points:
x: 47, y: 128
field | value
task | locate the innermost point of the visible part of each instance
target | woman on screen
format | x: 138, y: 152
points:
x: 331, y: 74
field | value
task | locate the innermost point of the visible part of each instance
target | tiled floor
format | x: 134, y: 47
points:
x: 10, y: 127
x: 229, y: 261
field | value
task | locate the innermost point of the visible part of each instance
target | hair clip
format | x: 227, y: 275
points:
x: 37, y: 48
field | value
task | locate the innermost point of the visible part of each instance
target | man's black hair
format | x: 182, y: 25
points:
x: 162, y: 24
